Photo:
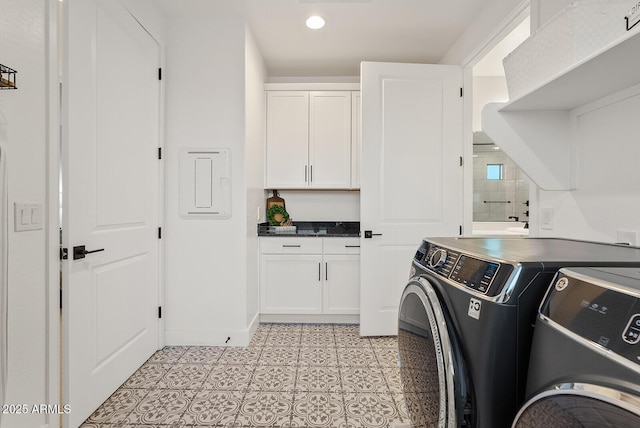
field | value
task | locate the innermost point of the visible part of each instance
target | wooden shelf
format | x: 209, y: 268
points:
x: 614, y: 68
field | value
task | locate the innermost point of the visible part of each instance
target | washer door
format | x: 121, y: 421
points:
x: 433, y: 374
x: 579, y: 405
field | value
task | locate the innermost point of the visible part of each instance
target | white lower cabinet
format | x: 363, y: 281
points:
x: 341, y: 289
x: 310, y: 276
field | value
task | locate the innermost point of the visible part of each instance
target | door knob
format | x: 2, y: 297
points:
x: 80, y: 252
x: 369, y: 234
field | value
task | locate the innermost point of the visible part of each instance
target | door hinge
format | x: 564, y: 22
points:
x: 159, y: 152
x: 461, y: 161
x: 159, y: 233
x: 460, y: 230
x: 159, y: 311
x: 159, y: 74
x: 461, y: 92
x: 64, y: 253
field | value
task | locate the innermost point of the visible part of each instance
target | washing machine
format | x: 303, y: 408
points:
x: 585, y: 357
x: 466, y: 320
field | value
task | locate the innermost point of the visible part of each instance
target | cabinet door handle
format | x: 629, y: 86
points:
x: 305, y: 173
x: 326, y: 271
x: 311, y: 174
x: 319, y: 269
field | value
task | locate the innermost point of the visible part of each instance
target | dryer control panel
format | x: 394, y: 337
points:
x: 486, y: 277
x: 604, y: 314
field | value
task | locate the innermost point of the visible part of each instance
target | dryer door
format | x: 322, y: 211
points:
x: 434, y: 378
x: 579, y: 405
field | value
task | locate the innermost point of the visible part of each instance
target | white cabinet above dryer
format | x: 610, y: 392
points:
x: 309, y: 139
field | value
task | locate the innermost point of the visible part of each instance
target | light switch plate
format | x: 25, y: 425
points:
x: 546, y: 218
x: 27, y: 216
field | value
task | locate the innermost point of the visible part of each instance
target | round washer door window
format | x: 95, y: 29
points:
x: 427, y: 365
x: 580, y: 406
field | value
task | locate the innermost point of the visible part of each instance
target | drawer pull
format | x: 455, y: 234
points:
x: 290, y: 246
x: 352, y: 246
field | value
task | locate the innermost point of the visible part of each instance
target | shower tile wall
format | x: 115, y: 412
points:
x: 497, y: 200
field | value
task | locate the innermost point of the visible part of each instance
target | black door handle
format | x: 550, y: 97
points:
x: 369, y: 234
x: 80, y: 252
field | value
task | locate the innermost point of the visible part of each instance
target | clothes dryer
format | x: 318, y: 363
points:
x: 585, y: 358
x: 466, y: 321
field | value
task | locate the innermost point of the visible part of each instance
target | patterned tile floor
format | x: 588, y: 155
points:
x: 291, y: 375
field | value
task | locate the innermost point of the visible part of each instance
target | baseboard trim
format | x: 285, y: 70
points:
x: 309, y: 319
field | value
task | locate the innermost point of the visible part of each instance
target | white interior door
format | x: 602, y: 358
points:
x: 110, y: 202
x: 412, y: 178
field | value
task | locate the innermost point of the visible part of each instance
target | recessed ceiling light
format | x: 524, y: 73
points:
x: 315, y: 22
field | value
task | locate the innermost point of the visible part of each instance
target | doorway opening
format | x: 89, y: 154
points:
x: 500, y: 188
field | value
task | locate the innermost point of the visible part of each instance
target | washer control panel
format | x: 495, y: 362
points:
x: 440, y: 260
x: 482, y: 276
x: 474, y: 273
x: 604, y: 314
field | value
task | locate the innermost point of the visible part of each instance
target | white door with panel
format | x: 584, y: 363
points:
x: 412, y: 178
x: 111, y: 179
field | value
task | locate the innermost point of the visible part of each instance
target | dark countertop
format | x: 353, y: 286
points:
x: 316, y: 228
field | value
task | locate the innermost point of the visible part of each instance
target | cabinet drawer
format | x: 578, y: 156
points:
x: 341, y: 245
x: 291, y: 245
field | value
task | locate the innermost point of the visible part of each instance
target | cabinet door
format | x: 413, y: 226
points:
x: 330, y: 139
x: 356, y: 140
x: 341, y: 291
x: 290, y: 284
x: 287, y: 148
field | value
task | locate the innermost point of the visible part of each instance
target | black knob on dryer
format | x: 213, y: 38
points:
x: 437, y: 259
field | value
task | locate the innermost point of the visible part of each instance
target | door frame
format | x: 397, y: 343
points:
x: 53, y: 356
x: 54, y: 347
x: 511, y: 21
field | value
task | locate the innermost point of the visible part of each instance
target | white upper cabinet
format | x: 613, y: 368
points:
x: 309, y: 140
x: 330, y: 139
x: 287, y: 139
x: 356, y: 139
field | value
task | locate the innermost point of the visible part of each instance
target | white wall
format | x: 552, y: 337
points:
x: 322, y: 205
x: 487, y: 89
x: 484, y: 28
x: 206, y: 259
x: 255, y: 106
x: 543, y: 10
x: 608, y: 195
x: 24, y: 138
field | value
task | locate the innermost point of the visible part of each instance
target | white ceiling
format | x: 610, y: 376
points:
x: 356, y: 30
